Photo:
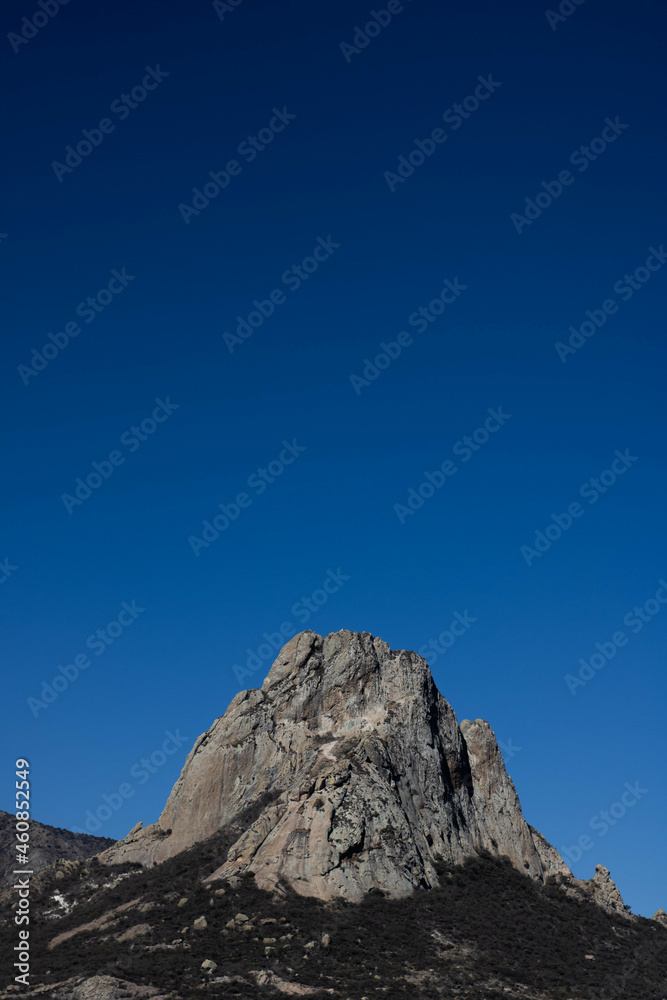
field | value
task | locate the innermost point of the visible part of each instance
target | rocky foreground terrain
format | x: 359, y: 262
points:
x: 337, y: 833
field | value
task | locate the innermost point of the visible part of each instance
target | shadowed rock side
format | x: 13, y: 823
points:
x: 371, y: 779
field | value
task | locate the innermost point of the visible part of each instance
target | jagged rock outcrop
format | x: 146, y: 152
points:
x: 371, y: 777
x: 606, y: 891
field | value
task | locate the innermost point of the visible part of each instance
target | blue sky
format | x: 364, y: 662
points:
x: 216, y: 348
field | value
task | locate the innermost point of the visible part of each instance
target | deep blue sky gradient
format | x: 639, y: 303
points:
x: 333, y: 508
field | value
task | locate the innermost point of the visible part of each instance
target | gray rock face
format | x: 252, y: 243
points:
x: 373, y: 779
x: 605, y: 890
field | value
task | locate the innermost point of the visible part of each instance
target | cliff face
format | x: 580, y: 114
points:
x: 371, y: 776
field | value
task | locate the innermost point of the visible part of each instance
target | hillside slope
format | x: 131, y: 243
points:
x: 47, y: 844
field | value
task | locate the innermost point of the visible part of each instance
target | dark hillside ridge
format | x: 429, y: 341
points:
x: 47, y: 844
x: 486, y: 931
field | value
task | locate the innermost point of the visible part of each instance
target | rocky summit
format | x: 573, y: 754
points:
x: 366, y: 779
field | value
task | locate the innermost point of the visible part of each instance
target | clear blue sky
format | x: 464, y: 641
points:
x: 313, y: 209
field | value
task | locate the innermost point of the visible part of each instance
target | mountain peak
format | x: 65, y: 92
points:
x: 363, y: 777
